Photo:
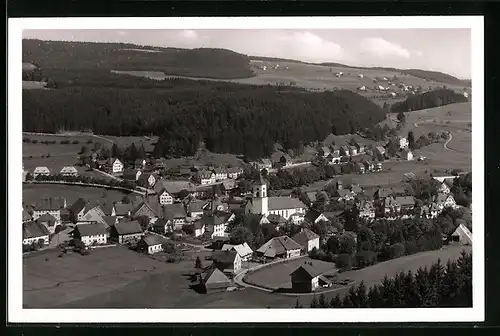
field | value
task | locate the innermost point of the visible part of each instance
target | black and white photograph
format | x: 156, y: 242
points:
x: 248, y: 169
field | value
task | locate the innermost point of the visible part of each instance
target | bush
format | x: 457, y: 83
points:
x: 64, y: 142
x: 75, y: 142
x: 34, y: 141
x: 365, y: 258
x: 396, y: 250
x: 89, y: 141
x: 344, y: 261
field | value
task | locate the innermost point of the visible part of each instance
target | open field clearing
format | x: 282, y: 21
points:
x: 170, y: 289
x: 278, y: 275
x: 31, y: 85
x: 33, y: 192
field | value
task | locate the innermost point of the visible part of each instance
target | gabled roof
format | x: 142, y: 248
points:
x: 215, y: 277
x: 122, y: 209
x: 41, y: 169
x: 305, y: 236
x: 128, y: 227
x: 463, y: 231
x: 390, y: 202
x: 47, y: 218
x: 109, y: 220
x: 306, y: 271
x: 26, y: 215
x: 69, y: 169
x: 405, y: 200
x: 276, y: 219
x: 143, y: 205
x: 278, y: 245
x: 49, y: 203
x: 107, y: 208
x: 282, y: 203
x: 312, y: 215
x: 311, y: 196
x: 196, y: 206
x: 78, y: 206
x: 152, y: 240
x: 242, y: 249
x: 224, y: 257
x: 160, y: 223
x: 385, y: 192
x: 229, y: 184
x: 34, y: 230
x: 172, y: 211
x: 91, y: 229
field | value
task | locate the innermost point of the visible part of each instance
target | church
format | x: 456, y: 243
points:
x: 260, y: 204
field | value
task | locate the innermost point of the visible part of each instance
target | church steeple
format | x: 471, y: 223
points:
x: 259, y: 196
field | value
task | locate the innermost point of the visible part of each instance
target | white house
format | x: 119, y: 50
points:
x: 407, y: 155
x: 313, y: 217
x: 165, y: 197
x: 33, y: 232
x: 205, y: 177
x: 403, y: 143
x: 198, y: 228
x: 445, y: 201
x: 43, y: 171
x: 151, y: 243
x: 116, y: 166
x: 51, y: 206
x: 220, y: 174
x: 147, y: 180
x: 90, y: 233
x: 307, y: 239
x: 69, y: 171
x: 234, y: 172
x: 243, y: 250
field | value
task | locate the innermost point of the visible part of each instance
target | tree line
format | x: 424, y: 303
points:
x: 440, y: 285
x: 428, y: 100
x: 227, y: 117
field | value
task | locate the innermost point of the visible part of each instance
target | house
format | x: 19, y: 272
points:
x: 380, y: 152
x: 131, y: 174
x: 49, y: 221
x: 33, y: 232
x: 382, y: 193
x: 160, y: 226
x: 344, y: 151
x: 360, y: 147
x: 406, y: 202
x: 259, y: 203
x: 198, y: 228
x: 108, y: 208
x: 378, y: 166
x: 91, y: 233
x: 195, y: 208
x: 356, y: 189
x: 296, y: 218
x: 42, y: 171
x: 431, y: 211
x: 123, y: 209
x: 306, y: 279
x: 94, y: 214
x: 146, y: 180
x: 116, y: 166
x: 228, y: 186
x: 243, y: 250
x: 144, y: 209
x: 446, y: 185
x: 445, y: 201
x: 214, y: 280
x: 461, y: 235
x: 366, y: 209
x: 82, y: 210
x: 406, y: 154
x: 369, y: 166
x: 280, y: 159
x: 228, y: 261
x: 220, y: 174
x: 311, y: 197
x: 51, y: 206
x: 205, y: 177
x: 353, y: 150
x: 26, y: 216
x: 324, y: 151
x: 140, y: 164
x: 263, y: 164
x: 214, y: 205
x: 344, y: 195
x: 360, y: 168
x: 234, y: 172
x: 69, y: 171
x: 391, y: 206
x: 151, y: 244
x: 279, y: 247
x: 175, y: 214
x: 276, y: 220
x: 165, y: 197
x: 333, y: 158
x: 307, y: 239
x: 216, y: 223
x: 313, y: 217
x: 109, y: 221
x: 403, y: 142
x: 126, y: 231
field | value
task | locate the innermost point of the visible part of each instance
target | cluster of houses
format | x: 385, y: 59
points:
x: 277, y: 160
x: 44, y: 171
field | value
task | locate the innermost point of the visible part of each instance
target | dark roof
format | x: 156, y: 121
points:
x: 152, y: 240
x: 107, y: 208
x: 176, y: 210
x: 405, y: 200
x: 91, y: 229
x: 312, y: 215
x: 306, y: 271
x: 47, y: 218
x: 196, y: 206
x: 385, y: 192
x: 78, y: 206
x: 26, y: 215
x: 34, y: 229
x: 260, y: 180
x: 49, y: 203
x: 281, y: 203
x: 277, y: 219
x: 224, y: 257
x: 109, y: 220
x: 279, y: 245
x: 128, y: 227
x: 122, y: 209
x: 160, y: 223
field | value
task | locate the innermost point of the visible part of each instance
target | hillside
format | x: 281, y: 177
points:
x: 51, y: 56
x: 428, y: 100
x: 230, y: 118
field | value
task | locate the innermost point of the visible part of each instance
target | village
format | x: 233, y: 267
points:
x: 203, y: 207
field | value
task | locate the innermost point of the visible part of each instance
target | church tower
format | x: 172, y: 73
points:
x: 259, y: 197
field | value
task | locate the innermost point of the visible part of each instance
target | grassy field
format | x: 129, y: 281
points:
x: 170, y: 289
x: 204, y: 157
x: 33, y: 192
x: 278, y: 275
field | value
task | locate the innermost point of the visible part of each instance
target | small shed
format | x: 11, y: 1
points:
x: 462, y: 235
x: 214, y: 280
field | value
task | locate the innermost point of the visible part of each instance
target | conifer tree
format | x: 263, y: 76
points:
x: 346, y: 302
x: 314, y: 302
x: 298, y: 304
x: 322, y: 301
x: 353, y: 297
x: 362, y: 296
x: 336, y: 302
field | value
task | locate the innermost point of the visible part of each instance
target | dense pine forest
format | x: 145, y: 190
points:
x: 229, y: 118
x: 428, y: 100
x: 70, y: 56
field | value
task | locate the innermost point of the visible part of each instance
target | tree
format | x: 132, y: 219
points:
x: 347, y: 243
x: 141, y: 154
x: 322, y: 301
x: 314, y: 302
x: 347, y: 303
x: 84, y: 150
x: 362, y: 297
x: 116, y: 151
x: 125, y: 200
x: 241, y: 235
x: 298, y: 304
x: 336, y: 302
x: 401, y: 117
x: 143, y: 221
x: 197, y: 263
x: 411, y: 140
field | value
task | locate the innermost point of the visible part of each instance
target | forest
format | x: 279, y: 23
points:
x: 53, y: 56
x: 227, y: 117
x: 428, y: 100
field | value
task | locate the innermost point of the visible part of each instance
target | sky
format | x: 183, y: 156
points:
x: 445, y: 50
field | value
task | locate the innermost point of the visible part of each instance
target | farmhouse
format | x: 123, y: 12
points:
x: 69, y: 171
x: 146, y: 180
x: 160, y: 226
x: 312, y: 216
x: 228, y: 261
x: 279, y: 247
x: 406, y: 202
x: 42, y: 171
x: 391, y: 206
x: 333, y: 158
x: 108, y: 208
x: 306, y: 279
x: 461, y: 235
x: 446, y: 185
x: 234, y: 172
x: 95, y: 214
x: 49, y: 221
x: 360, y: 168
x: 116, y: 166
x: 280, y: 159
x: 214, y: 280
x: 151, y: 244
x: 91, y: 233
x: 307, y: 239
x: 444, y: 201
x: 382, y: 193
x: 344, y: 195
x: 243, y: 250
x: 195, y: 208
x: 228, y: 186
x: 140, y: 164
x: 263, y: 164
x: 33, y: 232
x: 165, y: 197
x: 369, y: 166
x: 176, y: 215
x: 122, y: 209
x: 205, y: 177
x: 51, y: 206
x: 143, y: 209
x: 366, y: 209
x: 220, y: 173
x: 216, y: 224
x: 126, y: 231
x: 324, y: 151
